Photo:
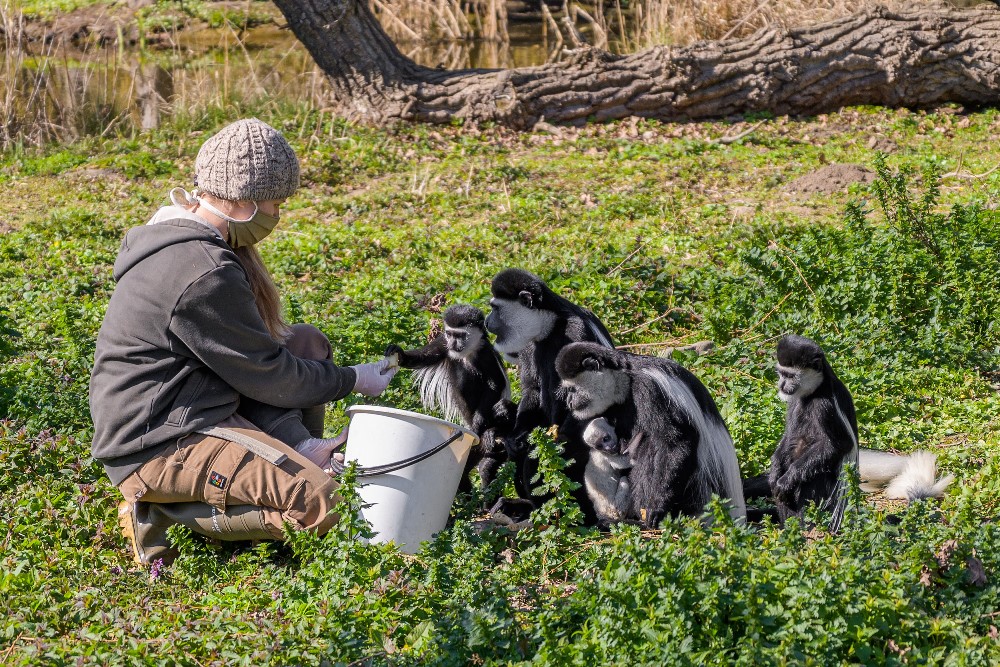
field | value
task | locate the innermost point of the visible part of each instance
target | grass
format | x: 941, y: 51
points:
x: 44, y: 9
x: 670, y: 238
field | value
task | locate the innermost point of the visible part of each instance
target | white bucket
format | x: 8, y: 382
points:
x: 411, y: 504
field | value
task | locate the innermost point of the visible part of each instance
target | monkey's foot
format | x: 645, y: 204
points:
x: 516, y: 509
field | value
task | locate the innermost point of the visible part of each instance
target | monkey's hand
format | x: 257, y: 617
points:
x: 517, y: 448
x: 504, y: 415
x: 397, y: 353
x: 785, y: 488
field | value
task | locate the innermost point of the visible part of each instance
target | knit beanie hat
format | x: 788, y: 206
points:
x: 247, y: 160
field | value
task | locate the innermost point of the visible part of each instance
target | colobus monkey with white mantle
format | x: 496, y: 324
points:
x: 821, y: 433
x: 821, y: 437
x: 606, y: 475
x: 461, y: 374
x: 679, y: 447
x: 532, y: 324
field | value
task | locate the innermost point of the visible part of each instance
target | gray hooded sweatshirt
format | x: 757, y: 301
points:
x: 181, y: 341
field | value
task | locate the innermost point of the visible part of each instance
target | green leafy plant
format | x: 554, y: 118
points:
x: 560, y: 508
x: 669, y: 239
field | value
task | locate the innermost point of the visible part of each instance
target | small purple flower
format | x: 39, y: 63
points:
x: 154, y: 570
x: 115, y: 570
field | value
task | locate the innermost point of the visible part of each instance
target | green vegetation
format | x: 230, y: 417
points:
x: 167, y: 15
x: 45, y: 9
x: 160, y: 15
x: 670, y: 237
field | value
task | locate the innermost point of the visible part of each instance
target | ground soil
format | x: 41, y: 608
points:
x: 831, y: 179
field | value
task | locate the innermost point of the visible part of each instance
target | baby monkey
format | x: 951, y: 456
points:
x: 606, y: 475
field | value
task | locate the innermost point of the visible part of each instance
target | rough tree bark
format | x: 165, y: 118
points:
x: 916, y: 59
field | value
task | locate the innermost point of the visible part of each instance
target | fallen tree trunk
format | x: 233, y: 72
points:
x: 918, y: 59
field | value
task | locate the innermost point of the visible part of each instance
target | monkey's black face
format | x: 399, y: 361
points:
x: 516, y: 325
x: 795, y: 382
x: 577, y: 399
x: 462, y: 342
x: 590, y: 394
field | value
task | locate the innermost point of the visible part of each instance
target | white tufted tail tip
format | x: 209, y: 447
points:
x: 917, y: 479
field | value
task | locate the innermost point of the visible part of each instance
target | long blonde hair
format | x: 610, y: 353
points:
x: 265, y: 293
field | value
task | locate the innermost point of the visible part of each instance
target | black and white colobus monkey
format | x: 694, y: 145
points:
x: 461, y: 374
x: 606, y: 475
x: 680, y: 450
x: 532, y: 324
x: 821, y: 432
x: 821, y: 435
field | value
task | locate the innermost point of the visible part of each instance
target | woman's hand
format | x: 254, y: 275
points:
x: 320, y: 450
x: 337, y: 464
x: 375, y: 377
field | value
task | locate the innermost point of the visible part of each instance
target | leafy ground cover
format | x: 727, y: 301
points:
x: 671, y: 236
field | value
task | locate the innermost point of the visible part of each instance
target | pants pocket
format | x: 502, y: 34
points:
x: 133, y: 488
x: 219, y: 474
x: 179, y: 452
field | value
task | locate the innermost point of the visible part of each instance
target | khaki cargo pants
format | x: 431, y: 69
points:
x: 209, y: 469
x: 204, y: 468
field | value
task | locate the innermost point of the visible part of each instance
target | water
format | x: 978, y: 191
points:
x: 59, y: 93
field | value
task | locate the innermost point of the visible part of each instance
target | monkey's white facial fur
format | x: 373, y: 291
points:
x: 516, y: 326
x: 796, y: 382
x: 592, y: 393
x: 462, y: 342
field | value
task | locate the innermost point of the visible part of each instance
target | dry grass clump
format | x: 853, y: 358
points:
x: 620, y: 26
x: 442, y: 20
x: 28, y: 112
x: 679, y: 22
x: 56, y: 91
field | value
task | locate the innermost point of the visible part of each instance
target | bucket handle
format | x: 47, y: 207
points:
x: 399, y: 465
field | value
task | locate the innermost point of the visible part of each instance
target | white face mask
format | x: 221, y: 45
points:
x: 241, y: 232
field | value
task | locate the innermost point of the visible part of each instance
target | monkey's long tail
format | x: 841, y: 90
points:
x: 909, y: 477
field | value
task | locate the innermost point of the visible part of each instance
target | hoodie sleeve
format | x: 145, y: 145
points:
x: 217, y: 320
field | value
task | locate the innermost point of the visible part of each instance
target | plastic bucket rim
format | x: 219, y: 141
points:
x: 379, y: 409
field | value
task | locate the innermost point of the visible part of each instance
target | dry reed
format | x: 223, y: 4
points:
x: 51, y: 91
x: 680, y: 22
x: 428, y: 20
x: 48, y: 94
x: 21, y: 91
x: 611, y: 24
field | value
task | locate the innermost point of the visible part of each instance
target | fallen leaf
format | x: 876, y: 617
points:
x: 977, y: 573
x: 945, y: 551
